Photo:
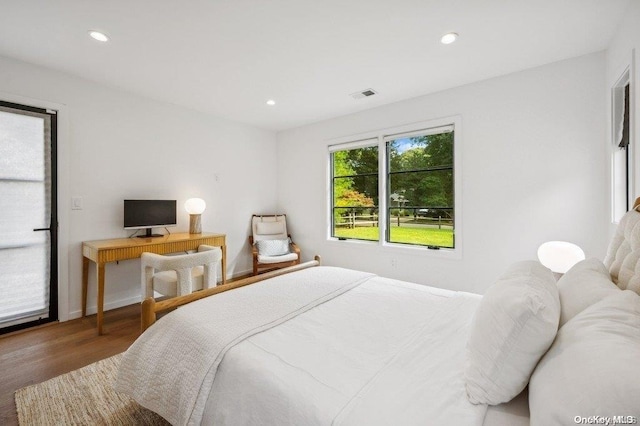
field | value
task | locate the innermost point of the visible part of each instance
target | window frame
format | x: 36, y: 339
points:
x: 622, y: 190
x: 382, y: 135
x: 364, y: 143
x: 389, y: 175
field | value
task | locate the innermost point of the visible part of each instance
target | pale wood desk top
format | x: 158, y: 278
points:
x: 160, y: 245
x: 135, y: 241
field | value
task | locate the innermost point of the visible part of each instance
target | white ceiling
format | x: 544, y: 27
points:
x: 227, y: 57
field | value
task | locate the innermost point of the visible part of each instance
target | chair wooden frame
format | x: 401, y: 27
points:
x: 265, y: 267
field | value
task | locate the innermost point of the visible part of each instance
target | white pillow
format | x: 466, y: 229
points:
x: 270, y: 228
x: 273, y: 247
x: 513, y: 327
x: 592, y: 367
x: 586, y: 283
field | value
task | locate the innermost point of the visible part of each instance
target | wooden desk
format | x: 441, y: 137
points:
x: 102, y: 252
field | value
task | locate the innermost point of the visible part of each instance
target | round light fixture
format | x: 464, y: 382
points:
x: 559, y: 256
x: 271, y: 102
x: 100, y: 36
x: 195, y: 205
x: 449, y: 38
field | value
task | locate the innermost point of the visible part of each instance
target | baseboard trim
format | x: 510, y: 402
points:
x: 93, y: 309
x: 240, y: 275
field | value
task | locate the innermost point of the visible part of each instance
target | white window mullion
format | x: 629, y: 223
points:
x: 382, y: 191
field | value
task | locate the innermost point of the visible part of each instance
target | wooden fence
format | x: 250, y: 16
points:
x: 352, y: 220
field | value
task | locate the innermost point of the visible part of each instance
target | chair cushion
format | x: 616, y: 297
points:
x: 277, y: 259
x: 270, y: 228
x: 273, y: 247
x: 166, y: 282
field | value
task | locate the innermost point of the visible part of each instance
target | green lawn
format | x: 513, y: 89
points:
x: 424, y: 236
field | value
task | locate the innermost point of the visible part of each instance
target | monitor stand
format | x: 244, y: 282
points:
x: 148, y: 234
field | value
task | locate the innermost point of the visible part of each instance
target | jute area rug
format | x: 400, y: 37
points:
x: 82, y: 397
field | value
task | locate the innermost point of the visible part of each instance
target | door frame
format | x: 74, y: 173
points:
x: 63, y: 193
x: 53, y: 220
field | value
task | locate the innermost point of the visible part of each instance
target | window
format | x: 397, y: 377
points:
x: 354, y: 186
x: 416, y: 180
x: 420, y: 188
x: 621, y: 168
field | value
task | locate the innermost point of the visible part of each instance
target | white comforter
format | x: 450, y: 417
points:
x: 384, y: 352
x: 170, y: 369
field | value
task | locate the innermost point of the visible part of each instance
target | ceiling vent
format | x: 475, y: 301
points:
x: 363, y: 94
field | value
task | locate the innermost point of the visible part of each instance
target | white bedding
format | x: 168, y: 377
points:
x: 170, y: 369
x: 386, y: 352
x: 383, y: 352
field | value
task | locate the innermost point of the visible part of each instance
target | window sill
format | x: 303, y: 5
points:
x: 442, y: 253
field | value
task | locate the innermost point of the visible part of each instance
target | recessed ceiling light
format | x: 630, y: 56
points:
x: 97, y: 35
x: 271, y: 102
x: 449, y: 38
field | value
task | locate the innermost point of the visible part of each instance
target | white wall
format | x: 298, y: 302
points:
x: 620, y: 56
x: 533, y: 169
x: 115, y: 145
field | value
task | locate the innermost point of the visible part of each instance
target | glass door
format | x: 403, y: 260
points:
x: 28, y: 219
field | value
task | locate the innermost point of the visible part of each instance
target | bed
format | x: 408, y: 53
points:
x: 319, y: 345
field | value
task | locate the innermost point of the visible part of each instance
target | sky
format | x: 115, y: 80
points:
x: 403, y: 144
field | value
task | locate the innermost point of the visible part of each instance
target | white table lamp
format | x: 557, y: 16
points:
x: 195, y: 207
x: 559, y: 256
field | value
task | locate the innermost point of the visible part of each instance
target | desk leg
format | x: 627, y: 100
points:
x: 100, y: 281
x: 85, y: 284
x: 224, y: 264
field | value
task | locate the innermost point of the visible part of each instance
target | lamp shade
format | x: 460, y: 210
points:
x: 559, y: 256
x: 195, y: 205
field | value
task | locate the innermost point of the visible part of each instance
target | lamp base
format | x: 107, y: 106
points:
x: 195, y: 224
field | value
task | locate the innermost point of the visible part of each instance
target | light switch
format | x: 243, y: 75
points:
x: 76, y: 203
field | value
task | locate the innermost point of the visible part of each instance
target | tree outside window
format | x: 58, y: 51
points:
x: 355, y: 193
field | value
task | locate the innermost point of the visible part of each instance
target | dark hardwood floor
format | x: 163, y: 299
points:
x: 42, y: 353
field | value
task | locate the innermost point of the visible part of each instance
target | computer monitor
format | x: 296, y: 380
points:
x: 149, y: 214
